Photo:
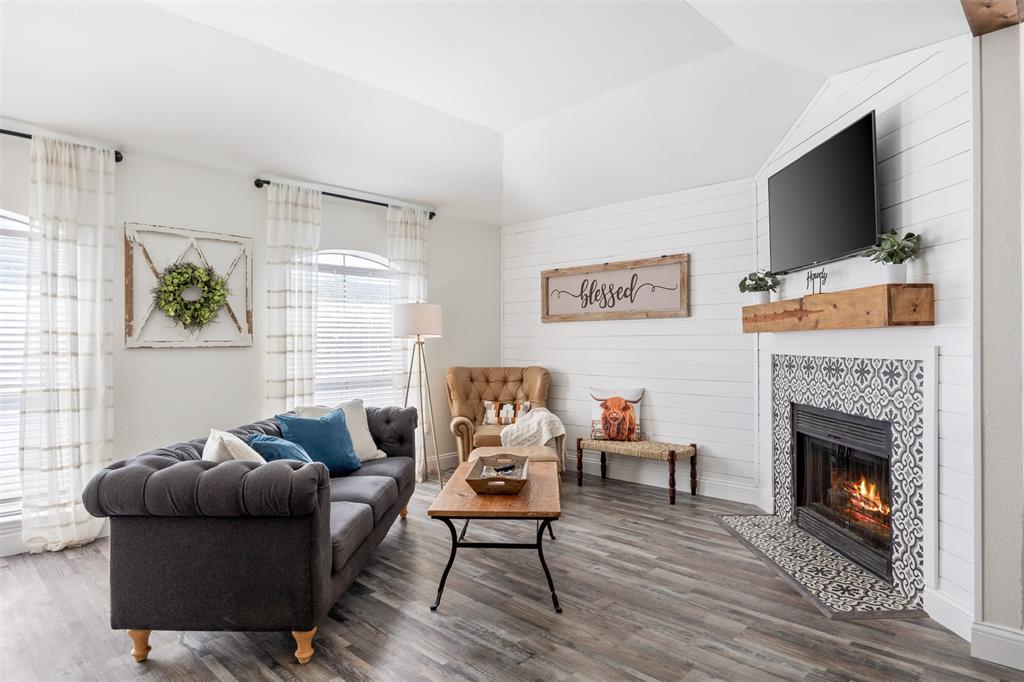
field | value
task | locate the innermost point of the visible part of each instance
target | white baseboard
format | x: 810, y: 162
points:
x: 449, y: 460
x: 11, y: 543
x: 10, y: 538
x: 655, y: 474
x: 948, y: 613
x: 998, y: 644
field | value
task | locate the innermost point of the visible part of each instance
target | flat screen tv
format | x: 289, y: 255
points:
x: 824, y: 206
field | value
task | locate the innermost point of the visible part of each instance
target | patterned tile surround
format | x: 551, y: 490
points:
x: 889, y: 390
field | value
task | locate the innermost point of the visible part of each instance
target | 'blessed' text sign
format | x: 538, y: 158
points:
x: 649, y: 288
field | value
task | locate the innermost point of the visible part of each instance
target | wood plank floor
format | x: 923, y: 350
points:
x: 649, y: 592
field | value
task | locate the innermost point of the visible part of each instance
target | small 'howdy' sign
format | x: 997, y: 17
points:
x: 649, y: 288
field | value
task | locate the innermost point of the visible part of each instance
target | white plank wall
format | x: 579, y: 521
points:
x: 924, y: 105
x: 698, y: 372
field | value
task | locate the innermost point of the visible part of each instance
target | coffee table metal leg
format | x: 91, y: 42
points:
x: 451, y: 560
x: 551, y: 531
x: 462, y: 535
x: 546, y: 523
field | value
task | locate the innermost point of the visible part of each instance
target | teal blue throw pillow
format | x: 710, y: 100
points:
x: 325, y: 439
x: 272, y: 447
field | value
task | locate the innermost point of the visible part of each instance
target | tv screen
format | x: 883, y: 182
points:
x: 824, y: 205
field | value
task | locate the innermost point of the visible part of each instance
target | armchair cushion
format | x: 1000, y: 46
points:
x: 487, y: 435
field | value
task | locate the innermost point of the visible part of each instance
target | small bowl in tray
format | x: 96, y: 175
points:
x: 499, y: 484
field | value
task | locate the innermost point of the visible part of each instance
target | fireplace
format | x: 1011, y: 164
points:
x: 842, y: 484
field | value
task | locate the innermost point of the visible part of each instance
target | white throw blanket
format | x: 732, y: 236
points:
x: 536, y: 427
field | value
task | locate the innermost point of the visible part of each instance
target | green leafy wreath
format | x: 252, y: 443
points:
x: 178, y: 278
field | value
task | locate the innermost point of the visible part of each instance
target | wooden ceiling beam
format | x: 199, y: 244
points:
x: 986, y: 16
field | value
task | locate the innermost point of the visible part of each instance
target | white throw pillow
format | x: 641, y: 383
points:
x: 358, y: 427
x: 222, y: 446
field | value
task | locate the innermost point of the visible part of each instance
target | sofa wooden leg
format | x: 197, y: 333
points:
x: 404, y: 512
x: 140, y: 644
x: 304, y: 645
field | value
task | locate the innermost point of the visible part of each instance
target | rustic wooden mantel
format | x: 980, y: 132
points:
x: 883, y: 305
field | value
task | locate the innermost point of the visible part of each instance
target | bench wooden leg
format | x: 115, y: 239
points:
x: 579, y: 461
x: 140, y: 644
x: 671, y: 476
x: 693, y: 470
x: 604, y: 465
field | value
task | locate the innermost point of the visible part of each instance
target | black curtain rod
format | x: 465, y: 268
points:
x: 118, y: 156
x: 260, y: 182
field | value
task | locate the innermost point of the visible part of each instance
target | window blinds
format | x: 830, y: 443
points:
x: 353, y: 330
x: 13, y: 259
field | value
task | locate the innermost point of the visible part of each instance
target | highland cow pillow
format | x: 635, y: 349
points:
x: 616, y: 414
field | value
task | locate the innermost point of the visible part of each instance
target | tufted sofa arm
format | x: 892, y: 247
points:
x: 394, y: 429
x: 161, y: 485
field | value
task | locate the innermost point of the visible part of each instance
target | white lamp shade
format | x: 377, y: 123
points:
x: 417, y: 319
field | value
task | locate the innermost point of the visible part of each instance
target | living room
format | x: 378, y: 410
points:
x: 456, y: 279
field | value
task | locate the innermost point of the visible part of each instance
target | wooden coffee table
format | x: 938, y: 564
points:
x: 537, y: 501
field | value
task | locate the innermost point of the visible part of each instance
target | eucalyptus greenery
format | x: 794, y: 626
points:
x: 895, y: 249
x: 176, y: 279
x: 760, y: 280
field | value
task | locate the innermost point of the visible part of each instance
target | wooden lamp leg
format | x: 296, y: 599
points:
x: 140, y: 644
x: 304, y: 645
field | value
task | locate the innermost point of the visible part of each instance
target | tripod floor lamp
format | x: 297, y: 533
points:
x: 420, y: 321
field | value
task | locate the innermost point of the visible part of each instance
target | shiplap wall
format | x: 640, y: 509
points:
x: 698, y: 372
x: 924, y: 105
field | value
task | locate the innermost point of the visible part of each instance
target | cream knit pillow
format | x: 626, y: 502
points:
x: 222, y: 446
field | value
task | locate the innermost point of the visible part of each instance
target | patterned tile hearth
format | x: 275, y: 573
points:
x: 884, y: 389
x: 839, y: 588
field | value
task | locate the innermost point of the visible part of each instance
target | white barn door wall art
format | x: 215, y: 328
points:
x: 149, y: 250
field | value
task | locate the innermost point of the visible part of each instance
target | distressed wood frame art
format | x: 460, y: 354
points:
x: 148, y: 249
x: 627, y: 290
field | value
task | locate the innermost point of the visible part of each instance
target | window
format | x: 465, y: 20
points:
x: 353, y: 328
x: 13, y: 260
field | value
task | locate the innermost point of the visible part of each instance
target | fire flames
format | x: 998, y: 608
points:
x: 863, y: 497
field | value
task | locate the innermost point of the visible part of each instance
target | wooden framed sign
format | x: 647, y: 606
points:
x: 627, y: 290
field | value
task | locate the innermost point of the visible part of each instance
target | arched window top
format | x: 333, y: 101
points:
x: 347, y: 258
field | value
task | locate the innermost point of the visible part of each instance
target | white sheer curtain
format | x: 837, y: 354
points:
x: 67, y: 400
x: 293, y: 237
x: 407, y: 251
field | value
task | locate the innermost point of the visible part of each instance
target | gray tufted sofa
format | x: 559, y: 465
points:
x: 240, y: 546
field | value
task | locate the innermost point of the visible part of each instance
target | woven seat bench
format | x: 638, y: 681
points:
x: 644, y: 449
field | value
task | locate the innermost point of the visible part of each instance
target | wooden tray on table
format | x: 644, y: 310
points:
x: 498, y: 484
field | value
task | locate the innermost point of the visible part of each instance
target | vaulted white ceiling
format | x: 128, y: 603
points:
x: 499, y: 64
x: 597, y: 101
x: 830, y: 36
x: 503, y: 64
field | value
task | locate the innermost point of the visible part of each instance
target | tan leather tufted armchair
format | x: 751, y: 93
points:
x: 469, y: 387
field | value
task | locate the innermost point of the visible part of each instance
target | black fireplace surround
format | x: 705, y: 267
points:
x: 842, y: 485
